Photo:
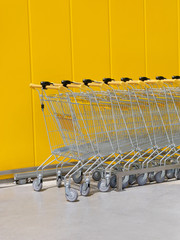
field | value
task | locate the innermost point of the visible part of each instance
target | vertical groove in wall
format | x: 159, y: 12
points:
x: 31, y: 77
x: 145, y: 40
x: 110, y: 48
x: 71, y: 40
x: 178, y: 35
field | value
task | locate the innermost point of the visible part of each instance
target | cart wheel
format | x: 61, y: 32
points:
x: 170, y: 173
x: 151, y: 176
x: 58, y: 182
x: 103, y: 186
x: 160, y: 176
x: 77, y: 177
x: 22, y: 181
x: 142, y: 179
x: 96, y: 176
x: 37, y: 185
x: 125, y: 182
x: 84, y: 189
x: 177, y: 174
x: 132, y: 179
x: 113, y: 181
x: 72, y: 195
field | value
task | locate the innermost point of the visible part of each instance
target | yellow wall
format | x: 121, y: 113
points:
x: 74, y: 39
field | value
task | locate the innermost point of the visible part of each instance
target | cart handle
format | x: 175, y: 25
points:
x: 135, y: 82
x: 161, y: 81
x: 45, y: 84
x: 36, y: 86
x: 160, y: 78
x: 107, y: 80
x: 125, y: 79
x: 118, y: 83
x: 92, y: 83
x: 70, y: 84
x: 169, y: 81
x: 175, y: 77
x: 87, y: 81
x: 143, y: 78
x: 152, y: 81
x: 96, y: 84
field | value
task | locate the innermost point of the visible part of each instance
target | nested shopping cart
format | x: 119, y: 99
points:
x: 152, y: 132
x: 123, y: 127
x: 160, y: 124
x: 68, y: 136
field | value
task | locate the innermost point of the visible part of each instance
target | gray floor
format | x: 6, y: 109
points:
x: 149, y: 212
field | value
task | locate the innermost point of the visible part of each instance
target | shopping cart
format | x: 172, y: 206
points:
x: 68, y: 119
x: 121, y: 127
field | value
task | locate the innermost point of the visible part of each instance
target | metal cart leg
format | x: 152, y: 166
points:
x: 119, y: 181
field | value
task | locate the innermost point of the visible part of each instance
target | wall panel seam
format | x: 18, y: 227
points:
x: 71, y: 39
x: 178, y: 55
x: 31, y: 78
x: 145, y: 39
x: 110, y: 42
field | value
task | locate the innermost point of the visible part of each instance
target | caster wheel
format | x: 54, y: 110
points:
x: 170, y: 173
x: 96, y: 176
x: 77, y: 177
x: 177, y: 174
x: 37, y: 185
x: 103, y: 186
x: 72, y: 195
x: 142, y: 179
x: 125, y: 182
x: 21, y: 181
x: 58, y: 182
x: 132, y: 179
x: 84, y: 189
x: 160, y: 176
x: 113, y: 181
x: 151, y: 176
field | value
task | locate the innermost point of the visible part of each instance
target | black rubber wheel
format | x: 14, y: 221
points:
x: 102, y: 185
x: 132, y: 179
x: 77, y: 177
x: 37, y: 186
x: 72, y: 196
x: 22, y: 181
x: 84, y: 189
x: 151, y: 177
x: 125, y: 182
x: 96, y: 176
x: 113, y: 181
x: 58, y: 182
x: 170, y: 173
x: 142, y: 179
x: 160, y: 176
x: 177, y: 174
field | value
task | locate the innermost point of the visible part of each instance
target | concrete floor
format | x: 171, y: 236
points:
x: 142, y: 213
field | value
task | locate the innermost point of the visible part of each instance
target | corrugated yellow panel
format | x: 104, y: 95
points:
x: 162, y: 37
x: 16, y: 135
x: 127, y: 38
x: 90, y: 38
x: 178, y: 38
x: 51, y: 56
